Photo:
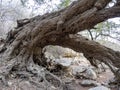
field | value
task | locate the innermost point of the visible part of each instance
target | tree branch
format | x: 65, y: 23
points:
x: 90, y: 18
x: 90, y: 49
x: 92, y: 38
x: 108, y: 35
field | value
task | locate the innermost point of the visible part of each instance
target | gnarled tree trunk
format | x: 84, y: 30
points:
x: 23, y: 46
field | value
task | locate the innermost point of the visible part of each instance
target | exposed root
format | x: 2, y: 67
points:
x: 40, y: 72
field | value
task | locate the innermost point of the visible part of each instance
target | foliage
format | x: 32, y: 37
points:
x: 104, y: 28
x: 104, y: 31
x: 65, y: 3
x: 37, y: 1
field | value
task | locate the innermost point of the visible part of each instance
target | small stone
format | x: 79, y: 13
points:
x: 78, y: 69
x: 91, y: 74
x: 9, y: 83
x: 89, y: 83
x: 68, y: 80
x: 99, y: 88
x: 64, y: 62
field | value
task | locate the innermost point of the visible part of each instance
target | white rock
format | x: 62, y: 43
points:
x: 84, y: 71
x: 49, y: 56
x: 99, y: 88
x: 91, y: 74
x: 78, y: 69
x: 64, y: 62
x: 9, y: 83
x: 58, y: 51
x: 89, y: 83
x: 68, y: 80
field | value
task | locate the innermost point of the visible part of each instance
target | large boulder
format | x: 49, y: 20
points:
x: 58, y: 52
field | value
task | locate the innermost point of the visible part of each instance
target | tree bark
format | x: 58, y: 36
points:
x: 24, y: 45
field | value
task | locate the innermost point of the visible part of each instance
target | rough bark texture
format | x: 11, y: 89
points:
x: 24, y: 45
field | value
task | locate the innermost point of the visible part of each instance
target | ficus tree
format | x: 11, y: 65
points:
x: 23, y: 49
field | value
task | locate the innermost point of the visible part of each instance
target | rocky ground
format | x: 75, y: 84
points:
x: 73, y: 69
x: 70, y: 84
